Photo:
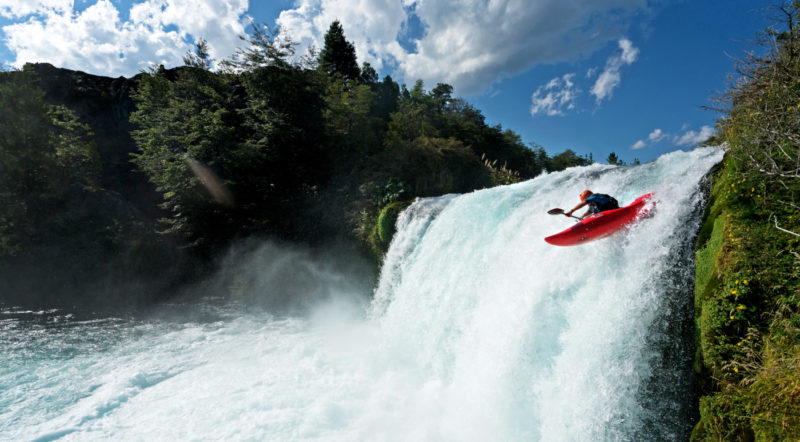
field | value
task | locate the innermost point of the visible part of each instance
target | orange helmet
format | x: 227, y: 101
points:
x: 585, y: 194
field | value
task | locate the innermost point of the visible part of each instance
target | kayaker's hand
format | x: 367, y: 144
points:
x: 568, y: 213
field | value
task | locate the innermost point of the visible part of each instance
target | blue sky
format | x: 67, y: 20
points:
x: 628, y: 76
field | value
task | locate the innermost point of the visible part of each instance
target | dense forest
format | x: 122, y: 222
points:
x: 308, y: 150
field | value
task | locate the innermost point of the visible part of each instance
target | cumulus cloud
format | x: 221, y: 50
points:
x: 693, y: 138
x: 656, y: 136
x: 467, y: 43
x: 688, y: 138
x: 98, y: 41
x: 554, y: 97
x: 20, y: 8
x: 610, y: 78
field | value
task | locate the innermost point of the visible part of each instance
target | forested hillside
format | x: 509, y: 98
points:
x: 121, y: 179
x: 747, y: 291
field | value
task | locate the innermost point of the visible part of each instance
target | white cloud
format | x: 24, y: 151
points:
x: 554, y: 97
x: 372, y: 25
x: 610, y: 78
x: 693, y: 138
x: 467, y: 43
x: 96, y: 40
x: 21, y: 8
x: 656, y: 136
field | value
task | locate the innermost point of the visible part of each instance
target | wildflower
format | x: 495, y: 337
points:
x: 731, y: 317
x: 737, y: 282
x: 744, y: 282
x: 733, y: 292
x: 736, y: 369
x: 739, y: 307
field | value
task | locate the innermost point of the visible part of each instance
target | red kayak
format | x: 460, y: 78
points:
x: 602, y: 224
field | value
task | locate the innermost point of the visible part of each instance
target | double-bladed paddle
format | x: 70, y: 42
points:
x: 560, y: 212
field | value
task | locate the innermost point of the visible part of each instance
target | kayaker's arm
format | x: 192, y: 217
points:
x: 581, y: 204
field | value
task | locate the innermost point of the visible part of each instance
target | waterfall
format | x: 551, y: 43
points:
x: 477, y: 330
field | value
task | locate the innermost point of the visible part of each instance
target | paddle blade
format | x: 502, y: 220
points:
x: 556, y: 211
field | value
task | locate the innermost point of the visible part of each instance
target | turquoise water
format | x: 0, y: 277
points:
x: 477, y: 330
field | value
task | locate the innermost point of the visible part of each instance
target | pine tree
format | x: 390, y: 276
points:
x: 339, y: 56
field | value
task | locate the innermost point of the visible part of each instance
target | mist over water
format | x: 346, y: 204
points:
x: 477, y: 330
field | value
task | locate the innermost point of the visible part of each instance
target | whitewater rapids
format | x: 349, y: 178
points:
x: 477, y: 330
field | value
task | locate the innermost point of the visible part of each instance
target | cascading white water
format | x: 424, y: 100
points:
x: 478, y: 330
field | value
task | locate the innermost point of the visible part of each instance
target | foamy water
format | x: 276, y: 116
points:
x: 478, y: 330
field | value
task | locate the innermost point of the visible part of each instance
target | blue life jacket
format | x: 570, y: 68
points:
x: 600, y: 202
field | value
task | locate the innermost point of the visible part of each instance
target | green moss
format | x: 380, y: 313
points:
x: 387, y: 219
x: 378, y: 229
x: 706, y: 258
x: 747, y: 303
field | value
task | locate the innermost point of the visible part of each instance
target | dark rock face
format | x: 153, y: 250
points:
x: 105, y: 104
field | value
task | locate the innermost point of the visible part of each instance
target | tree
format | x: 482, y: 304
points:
x: 186, y: 139
x: 566, y: 159
x: 338, y: 56
x: 44, y: 151
x: 387, y: 94
x: 200, y: 58
x: 263, y: 48
x: 613, y: 159
x: 368, y: 74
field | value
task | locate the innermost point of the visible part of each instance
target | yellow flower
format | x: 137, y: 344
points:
x: 733, y: 292
x: 738, y: 344
x: 740, y: 307
x: 731, y: 317
x: 744, y: 282
x: 736, y: 369
x: 737, y: 282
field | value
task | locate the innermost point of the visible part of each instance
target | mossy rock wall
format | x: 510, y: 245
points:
x: 746, y: 303
x: 378, y: 228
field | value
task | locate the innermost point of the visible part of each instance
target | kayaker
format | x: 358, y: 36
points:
x: 597, y: 202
